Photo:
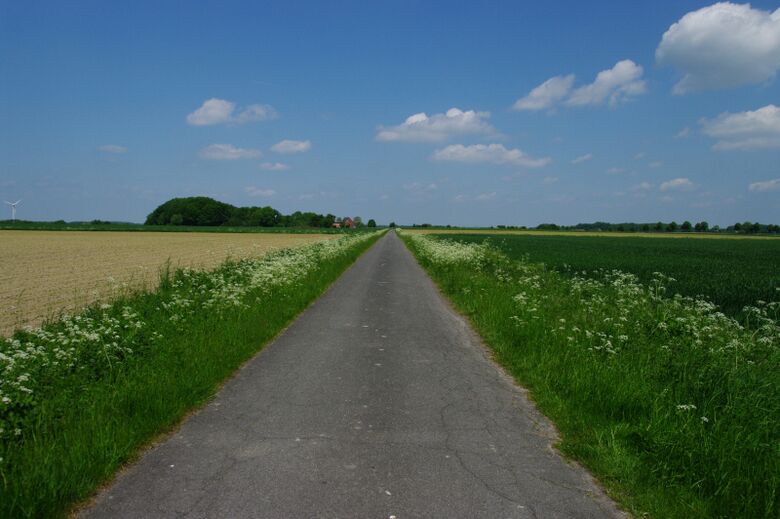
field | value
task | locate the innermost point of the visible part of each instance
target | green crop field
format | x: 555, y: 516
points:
x: 729, y: 273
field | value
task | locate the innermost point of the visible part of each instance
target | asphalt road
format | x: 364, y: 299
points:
x: 378, y: 402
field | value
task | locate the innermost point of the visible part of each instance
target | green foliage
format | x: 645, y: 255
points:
x: 675, y: 407
x: 730, y: 273
x: 371, y: 223
x: 81, y: 396
x: 203, y: 211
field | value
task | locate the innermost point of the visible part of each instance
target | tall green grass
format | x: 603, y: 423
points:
x: 673, y: 405
x: 97, y: 387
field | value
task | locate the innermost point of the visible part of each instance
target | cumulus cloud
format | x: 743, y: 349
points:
x: 614, y: 86
x: 220, y: 111
x: 766, y: 185
x: 721, y: 46
x: 288, y: 146
x: 438, y: 127
x: 677, y: 184
x: 259, y: 192
x: 112, y: 148
x: 490, y: 153
x: 750, y: 130
x: 582, y: 158
x: 274, y: 166
x: 227, y: 152
x: 547, y: 94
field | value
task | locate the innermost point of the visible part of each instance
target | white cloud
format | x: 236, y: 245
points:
x: 259, y: 192
x: 656, y: 164
x: 274, y: 166
x: 677, y: 184
x: 723, y: 45
x: 614, y: 85
x: 486, y: 196
x: 549, y: 180
x: 491, y: 153
x: 547, y: 94
x: 460, y: 198
x: 766, y: 185
x: 220, y: 111
x: 112, y: 148
x: 419, y: 189
x: 288, y: 146
x: 642, y: 186
x: 640, y: 155
x: 615, y: 171
x: 745, y: 130
x: 227, y: 152
x: 683, y: 134
x: 582, y: 158
x: 438, y: 127
x: 254, y: 113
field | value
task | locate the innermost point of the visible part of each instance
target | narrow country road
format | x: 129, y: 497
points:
x: 377, y: 402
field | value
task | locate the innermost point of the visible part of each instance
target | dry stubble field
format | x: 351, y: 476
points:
x: 45, y: 273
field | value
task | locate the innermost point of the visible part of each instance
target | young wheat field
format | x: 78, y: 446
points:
x: 43, y: 274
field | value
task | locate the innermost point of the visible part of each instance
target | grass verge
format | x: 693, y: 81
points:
x: 81, y: 396
x: 674, y: 406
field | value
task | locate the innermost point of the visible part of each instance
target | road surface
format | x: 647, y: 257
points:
x: 378, y: 402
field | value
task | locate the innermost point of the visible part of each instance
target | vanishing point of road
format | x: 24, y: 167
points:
x: 377, y: 402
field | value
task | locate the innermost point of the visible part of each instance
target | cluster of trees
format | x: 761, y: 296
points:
x: 205, y: 211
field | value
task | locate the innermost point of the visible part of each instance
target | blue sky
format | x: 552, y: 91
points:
x: 547, y: 112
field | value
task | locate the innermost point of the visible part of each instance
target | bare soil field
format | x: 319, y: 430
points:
x: 45, y: 273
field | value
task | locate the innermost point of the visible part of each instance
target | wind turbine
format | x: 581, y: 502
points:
x: 13, y: 209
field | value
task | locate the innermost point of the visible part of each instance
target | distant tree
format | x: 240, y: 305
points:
x: 715, y: 228
x: 646, y: 227
x: 686, y: 226
x: 358, y: 221
x: 701, y: 227
x: 672, y: 226
x: 659, y: 226
x: 392, y: 225
x: 371, y: 223
x: 737, y: 226
x: 177, y: 219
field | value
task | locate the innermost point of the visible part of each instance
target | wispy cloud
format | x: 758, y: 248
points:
x: 582, y: 158
x: 113, y: 148
x: 289, y: 146
x: 683, y: 134
x: 227, y: 152
x: 274, y: 166
x: 438, y: 127
x: 677, y: 184
x: 219, y: 111
x: 765, y: 185
x: 259, y: 192
x: 489, y: 153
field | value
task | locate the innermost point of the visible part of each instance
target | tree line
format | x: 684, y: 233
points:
x: 686, y: 226
x: 205, y: 211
